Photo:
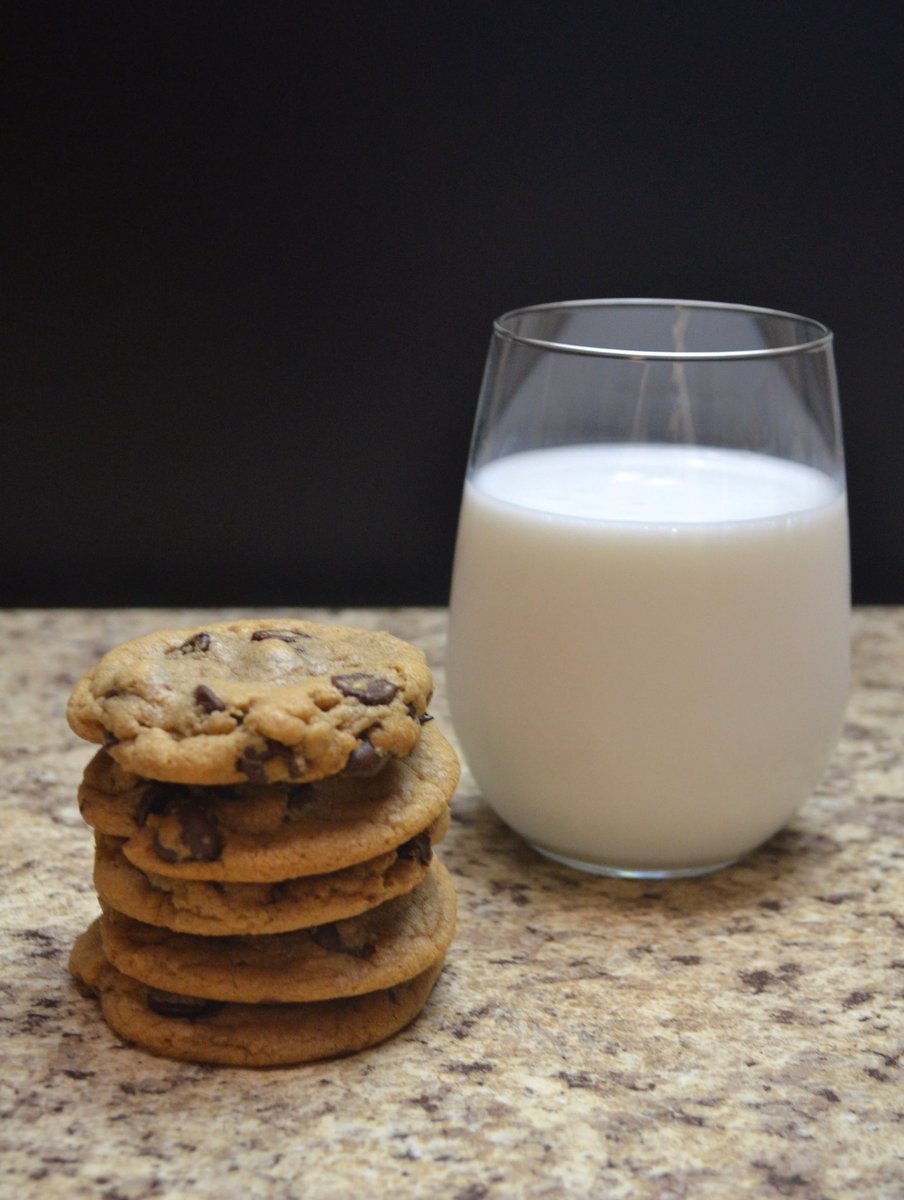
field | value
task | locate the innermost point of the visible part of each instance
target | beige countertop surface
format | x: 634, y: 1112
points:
x: 735, y: 1036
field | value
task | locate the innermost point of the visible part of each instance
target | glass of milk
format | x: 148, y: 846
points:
x: 648, y: 644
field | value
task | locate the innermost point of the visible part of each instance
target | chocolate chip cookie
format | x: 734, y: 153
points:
x: 213, y: 908
x: 248, y: 1035
x: 378, y: 949
x: 265, y: 809
x: 255, y: 700
x: 267, y: 833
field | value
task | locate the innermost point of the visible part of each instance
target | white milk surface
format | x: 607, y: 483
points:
x: 648, y: 648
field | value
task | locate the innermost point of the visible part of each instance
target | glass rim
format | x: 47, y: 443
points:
x: 822, y: 334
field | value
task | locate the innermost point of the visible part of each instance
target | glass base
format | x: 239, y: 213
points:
x: 615, y: 872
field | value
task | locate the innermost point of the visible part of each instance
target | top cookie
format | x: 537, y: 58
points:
x: 259, y: 700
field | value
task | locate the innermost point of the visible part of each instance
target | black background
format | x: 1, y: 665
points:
x: 253, y: 252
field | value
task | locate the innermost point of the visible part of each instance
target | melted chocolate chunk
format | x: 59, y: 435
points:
x: 287, y: 754
x: 365, y: 761
x: 201, y: 840
x: 251, y: 764
x: 200, y: 833
x: 154, y: 799
x: 329, y: 938
x: 172, y: 1004
x: 207, y: 699
x: 251, y: 761
x: 199, y: 641
x: 283, y: 635
x: 418, y: 847
x: 369, y: 689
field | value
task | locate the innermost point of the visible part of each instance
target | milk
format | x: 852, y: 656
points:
x: 648, y: 648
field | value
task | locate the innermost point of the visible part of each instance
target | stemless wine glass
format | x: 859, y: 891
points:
x: 649, y: 626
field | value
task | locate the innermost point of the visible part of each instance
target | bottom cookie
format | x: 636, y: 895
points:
x: 246, y: 1035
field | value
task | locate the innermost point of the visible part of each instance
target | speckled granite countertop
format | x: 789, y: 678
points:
x: 737, y: 1036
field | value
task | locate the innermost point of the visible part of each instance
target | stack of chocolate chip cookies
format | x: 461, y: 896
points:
x: 265, y: 807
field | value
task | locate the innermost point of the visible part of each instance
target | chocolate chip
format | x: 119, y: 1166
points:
x: 417, y: 847
x: 251, y: 761
x: 198, y: 641
x: 287, y: 754
x: 200, y: 833
x: 251, y: 764
x: 329, y: 938
x: 365, y: 761
x: 200, y: 839
x: 172, y: 1004
x: 164, y: 852
x: 153, y: 800
x: 369, y: 689
x: 425, y: 718
x: 284, y: 635
x: 207, y: 699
